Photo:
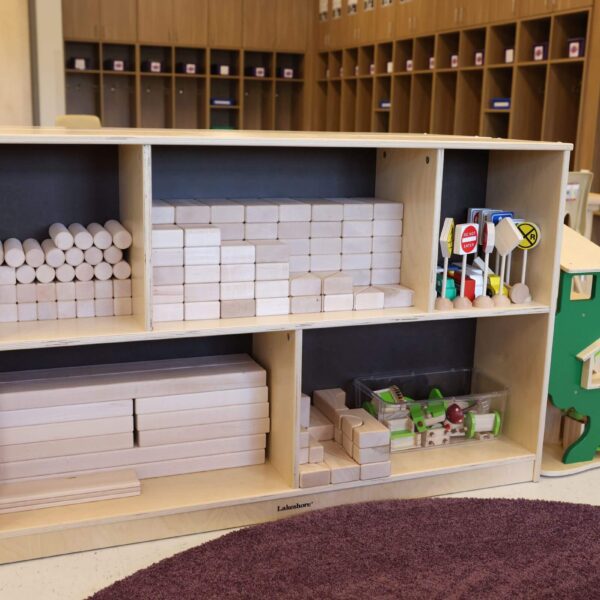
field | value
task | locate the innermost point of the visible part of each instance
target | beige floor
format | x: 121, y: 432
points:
x: 76, y: 576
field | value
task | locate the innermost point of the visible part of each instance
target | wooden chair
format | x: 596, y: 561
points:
x: 78, y: 121
x: 579, y: 185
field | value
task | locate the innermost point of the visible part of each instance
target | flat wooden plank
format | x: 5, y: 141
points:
x: 578, y: 254
x: 343, y: 468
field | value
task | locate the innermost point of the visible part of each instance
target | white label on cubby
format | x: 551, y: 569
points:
x: 509, y: 55
x: 454, y: 61
x: 79, y: 64
x: 259, y: 72
x: 118, y: 65
x: 574, y: 49
x: 352, y: 7
x: 369, y: 4
x: 336, y: 9
x: 386, y: 2
x: 356, y: 70
x: 288, y: 73
x: 154, y: 66
x: 432, y: 62
x: 479, y: 58
x: 538, y: 52
x: 190, y: 68
x: 224, y: 70
x: 390, y: 66
x: 372, y: 69
x: 409, y: 65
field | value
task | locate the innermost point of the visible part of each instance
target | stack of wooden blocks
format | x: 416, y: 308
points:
x: 275, y: 257
x: 77, y: 272
x: 338, y: 444
x: 191, y: 415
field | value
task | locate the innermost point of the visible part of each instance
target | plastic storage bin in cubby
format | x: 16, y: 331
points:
x: 435, y: 408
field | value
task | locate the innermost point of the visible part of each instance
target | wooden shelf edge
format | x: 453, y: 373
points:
x: 552, y: 465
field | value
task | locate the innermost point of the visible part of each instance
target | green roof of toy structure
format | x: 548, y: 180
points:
x: 578, y: 254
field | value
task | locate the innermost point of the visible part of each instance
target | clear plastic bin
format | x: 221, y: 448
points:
x: 433, y: 409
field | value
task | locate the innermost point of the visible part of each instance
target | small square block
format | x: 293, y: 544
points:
x: 84, y: 290
x: 104, y: 307
x: 230, y: 231
x: 201, y: 274
x: 237, y: 252
x: 122, y: 288
x: 196, y: 311
x: 201, y: 292
x: 85, y: 308
x: 268, y: 251
x: 356, y: 245
x: 235, y: 309
x: 26, y: 292
x: 123, y: 307
x: 272, y: 306
x: 294, y: 230
x: 102, y: 290
x: 201, y: 235
x: 323, y: 229
x: 27, y: 311
x: 66, y: 290
x: 237, y: 291
x: 66, y: 309
x: 167, y: 236
x: 326, y: 262
x: 203, y: 255
x: 326, y: 245
x: 226, y: 211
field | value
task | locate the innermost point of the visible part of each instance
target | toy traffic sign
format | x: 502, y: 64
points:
x: 487, y: 246
x: 446, y: 246
x: 531, y: 233
x: 508, y: 237
x: 465, y: 243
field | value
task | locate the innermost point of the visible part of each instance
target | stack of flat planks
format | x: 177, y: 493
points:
x: 156, y: 418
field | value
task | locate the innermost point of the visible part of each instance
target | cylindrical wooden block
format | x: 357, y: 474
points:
x: 65, y: 273
x: 113, y: 255
x: 34, y: 255
x: 25, y: 274
x: 84, y: 272
x: 103, y: 271
x: 45, y: 273
x: 14, y: 256
x: 102, y: 238
x: 81, y: 236
x: 121, y: 237
x: 74, y: 256
x: 54, y: 256
x: 61, y: 236
x: 122, y: 270
x: 93, y: 256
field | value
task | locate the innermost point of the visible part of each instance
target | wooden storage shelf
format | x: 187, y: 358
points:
x: 530, y: 86
x: 420, y: 103
x: 91, y: 176
x: 444, y: 107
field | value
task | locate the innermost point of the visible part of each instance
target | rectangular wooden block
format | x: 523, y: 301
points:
x: 123, y: 307
x: 266, y: 307
x: 84, y: 290
x: 28, y: 311
x: 337, y: 302
x: 235, y: 309
x: 336, y: 283
x: 272, y: 289
x: 67, y: 447
x: 325, y: 229
x: 168, y: 275
x: 190, y: 211
x: 167, y: 236
x: 167, y: 312
x: 167, y: 257
x: 357, y: 229
x: 353, y: 262
x: 226, y: 211
x: 306, y: 304
x: 8, y: 275
x: 293, y: 210
x: 104, y: 307
x: 26, y: 292
x: 357, y: 209
x: 193, y: 433
x: 368, y: 298
x: 216, y: 414
x: 268, y: 251
x: 384, y: 209
x: 296, y: 246
x: 201, y: 292
x: 365, y: 456
x: 260, y: 211
x: 200, y: 311
x: 243, y: 290
x: 338, y: 436
x: 45, y: 292
x: 387, y: 227
x: 350, y: 420
x: 102, y: 290
x: 304, y: 438
x: 8, y: 294
x: 260, y: 231
x: 230, y: 231
x: 195, y: 236
x: 202, y: 255
x: 375, y: 470
x: 294, y: 230
x: 320, y: 427
x: 272, y: 271
x: 122, y: 288
x: 385, y: 276
x: 163, y: 213
x: 332, y: 403
x: 201, y: 274
x: 343, y: 468
x: 397, y: 296
x: 325, y: 262
x: 371, y: 433
x: 385, y: 244
x: 387, y: 260
x: 326, y: 210
x: 201, y: 400
x: 299, y: 264
x: 303, y: 456
x: 68, y: 490
x: 315, y: 452
x: 232, y: 273
x: 167, y: 294
x: 47, y: 311
x: 68, y: 430
x: 66, y: 309
x: 359, y: 276
x: 332, y: 245
x: 237, y: 252
x: 305, y: 284
x: 304, y: 411
x: 314, y: 475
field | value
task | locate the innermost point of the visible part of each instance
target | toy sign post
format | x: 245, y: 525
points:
x: 446, y: 246
x: 487, y: 245
x: 519, y: 293
x: 508, y: 237
x: 465, y: 243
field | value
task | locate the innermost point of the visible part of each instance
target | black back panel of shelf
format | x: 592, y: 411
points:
x: 232, y: 172
x: 335, y: 357
x: 102, y: 354
x: 44, y: 184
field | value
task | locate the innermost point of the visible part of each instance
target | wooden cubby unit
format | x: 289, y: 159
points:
x: 401, y: 87
x: 88, y: 176
x: 567, y: 27
x: 424, y: 49
x: 527, y: 116
x: 447, y: 45
x: 500, y: 38
x: 402, y: 53
x: 444, y: 103
x: 532, y: 32
x: 471, y: 42
x: 420, y: 103
x: 469, y: 89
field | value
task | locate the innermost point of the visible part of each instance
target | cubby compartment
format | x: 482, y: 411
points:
x: 472, y: 48
x: 224, y: 92
x: 190, y: 102
x: 401, y: 109
x: 334, y: 95
x: 350, y: 62
x: 444, y: 103
x: 190, y: 61
x: 82, y: 56
x: 258, y: 65
x: 364, y: 100
x: 468, y: 102
x: 224, y: 63
x: 322, y: 66
x: 156, y: 101
x: 224, y: 117
x: 533, y: 33
x: 258, y: 104
x: 501, y: 38
x: 420, y: 103
x: 530, y: 87
x: 424, y: 53
x: 403, y: 53
x: 383, y: 93
x: 348, y: 109
x: 118, y: 58
x: 156, y: 59
x: 83, y: 93
x: 289, y: 105
x: 384, y: 63
x: 381, y: 121
x: 495, y: 124
x: 289, y: 66
x: 447, y: 47
x: 366, y: 60
x: 569, y: 36
x: 320, y: 106
x: 119, y: 101
x: 499, y: 88
x: 336, y: 68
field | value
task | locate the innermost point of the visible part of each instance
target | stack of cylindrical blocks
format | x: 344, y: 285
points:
x: 77, y: 272
x: 340, y: 444
x: 277, y: 256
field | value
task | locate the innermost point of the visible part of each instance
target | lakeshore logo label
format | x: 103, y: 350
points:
x: 296, y: 506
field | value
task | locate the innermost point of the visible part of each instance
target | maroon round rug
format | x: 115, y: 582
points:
x: 401, y: 549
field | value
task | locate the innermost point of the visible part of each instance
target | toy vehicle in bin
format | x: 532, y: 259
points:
x: 471, y: 410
